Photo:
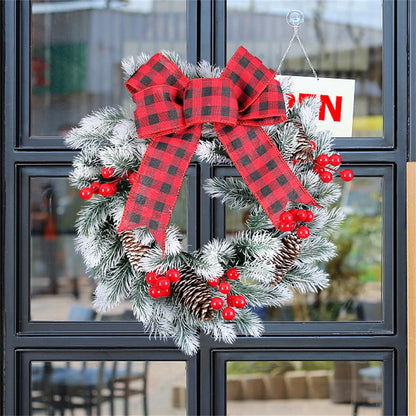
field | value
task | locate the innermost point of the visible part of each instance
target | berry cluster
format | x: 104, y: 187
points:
x: 228, y: 313
x: 160, y: 285
x: 325, y: 172
x: 106, y: 188
x: 290, y: 219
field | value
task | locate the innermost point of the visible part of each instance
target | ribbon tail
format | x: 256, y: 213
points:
x: 158, y: 182
x: 263, y: 168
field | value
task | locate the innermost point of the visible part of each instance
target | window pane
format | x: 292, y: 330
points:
x: 304, y: 388
x: 60, y: 288
x: 355, y: 292
x: 77, y: 48
x: 343, y: 39
x: 107, y: 387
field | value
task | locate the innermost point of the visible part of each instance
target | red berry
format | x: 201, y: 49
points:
x: 230, y: 300
x: 224, y: 287
x: 107, y: 189
x: 303, y: 232
x: 322, y: 160
x: 293, y: 211
x: 85, y: 193
x: 309, y: 216
x: 151, y: 278
x: 165, y: 292
x: 291, y: 225
x: 313, y: 145
x: 233, y: 273
x: 228, y: 313
x: 347, y: 175
x: 163, y: 283
x: 285, y: 226
x: 286, y: 217
x: 173, y: 275
x: 95, y: 187
x: 107, y: 172
x: 326, y: 176
x: 217, y: 303
x: 335, y: 160
x: 318, y: 169
x: 154, y: 292
x: 214, y: 281
x: 240, y: 302
x: 132, y: 177
x: 301, y: 215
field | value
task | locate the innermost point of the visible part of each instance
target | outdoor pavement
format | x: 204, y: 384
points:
x: 164, y: 376
x: 298, y: 407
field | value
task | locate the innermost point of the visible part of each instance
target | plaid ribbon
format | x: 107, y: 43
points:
x: 171, y: 110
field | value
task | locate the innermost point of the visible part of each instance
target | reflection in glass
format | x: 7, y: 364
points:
x: 343, y: 39
x: 56, y: 268
x: 109, y: 387
x: 60, y: 288
x: 304, y: 388
x: 355, y: 293
x: 77, y: 48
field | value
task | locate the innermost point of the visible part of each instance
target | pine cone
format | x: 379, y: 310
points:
x: 134, y: 250
x: 304, y: 151
x: 193, y: 293
x: 285, y: 260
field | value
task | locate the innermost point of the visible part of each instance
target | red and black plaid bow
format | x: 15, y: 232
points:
x: 171, y: 111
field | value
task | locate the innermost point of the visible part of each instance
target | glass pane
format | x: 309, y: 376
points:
x: 77, y: 48
x: 109, y: 388
x: 60, y: 288
x: 343, y: 39
x: 355, y: 293
x: 304, y: 388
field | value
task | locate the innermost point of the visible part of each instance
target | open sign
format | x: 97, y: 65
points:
x: 337, y: 101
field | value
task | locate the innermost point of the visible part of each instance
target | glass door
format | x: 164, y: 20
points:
x: 63, y: 63
x: 336, y: 351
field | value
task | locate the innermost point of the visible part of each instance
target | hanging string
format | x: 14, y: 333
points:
x: 295, y: 18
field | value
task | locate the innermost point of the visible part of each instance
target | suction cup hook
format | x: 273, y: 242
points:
x: 295, y: 18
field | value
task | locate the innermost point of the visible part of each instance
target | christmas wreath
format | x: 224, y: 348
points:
x: 130, y: 169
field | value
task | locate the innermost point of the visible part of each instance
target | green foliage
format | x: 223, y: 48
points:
x: 233, y: 191
x: 258, y: 367
x: 364, y: 255
x: 317, y: 365
x: 275, y: 367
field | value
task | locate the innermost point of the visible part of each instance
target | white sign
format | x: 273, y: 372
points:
x: 337, y: 101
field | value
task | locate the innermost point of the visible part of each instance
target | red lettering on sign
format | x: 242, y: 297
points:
x: 304, y: 96
x: 327, y: 103
x: 291, y: 100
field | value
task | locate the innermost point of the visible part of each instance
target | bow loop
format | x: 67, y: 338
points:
x: 159, y: 111
x: 249, y: 76
x: 158, y: 70
x: 268, y: 109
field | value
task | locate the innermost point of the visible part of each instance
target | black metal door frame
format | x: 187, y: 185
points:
x: 386, y: 157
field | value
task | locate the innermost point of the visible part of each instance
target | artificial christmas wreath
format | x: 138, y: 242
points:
x: 130, y: 170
